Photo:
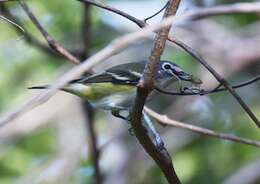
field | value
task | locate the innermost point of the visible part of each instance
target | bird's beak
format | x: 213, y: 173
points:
x: 188, y: 77
x: 183, y: 76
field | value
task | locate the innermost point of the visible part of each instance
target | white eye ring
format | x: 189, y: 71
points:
x: 167, y: 66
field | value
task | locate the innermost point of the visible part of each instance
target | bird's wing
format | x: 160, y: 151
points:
x: 97, y: 78
x: 115, y: 77
x: 129, y: 74
x: 134, y: 66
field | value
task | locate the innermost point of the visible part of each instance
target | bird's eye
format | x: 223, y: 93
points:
x: 167, y: 66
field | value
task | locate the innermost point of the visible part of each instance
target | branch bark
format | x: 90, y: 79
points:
x: 145, y: 85
x: 52, y: 43
x: 5, y: 1
x: 30, y: 39
x: 89, y: 112
x: 219, y: 78
x: 236, y: 8
x: 164, y: 120
x: 111, y: 49
x: 193, y: 53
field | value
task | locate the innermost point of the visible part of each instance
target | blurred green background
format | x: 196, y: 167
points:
x: 51, y: 145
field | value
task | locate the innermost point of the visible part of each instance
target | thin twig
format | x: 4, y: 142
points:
x: 247, y: 173
x: 164, y: 120
x: 92, y: 140
x: 89, y: 112
x: 197, y: 56
x: 13, y: 23
x: 206, y: 92
x: 144, y: 87
x: 140, y: 23
x: 5, y: 1
x: 111, y: 49
x: 158, y: 12
x: 30, y: 39
x: 252, y: 7
x: 52, y: 43
x: 219, y: 78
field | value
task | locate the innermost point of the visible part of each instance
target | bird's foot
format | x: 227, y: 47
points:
x: 116, y: 112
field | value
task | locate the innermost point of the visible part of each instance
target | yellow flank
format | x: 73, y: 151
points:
x: 96, y: 91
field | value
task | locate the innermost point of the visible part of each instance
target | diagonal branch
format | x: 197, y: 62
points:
x: 196, y: 55
x: 219, y: 78
x: 206, y: 92
x: 89, y: 112
x: 252, y: 7
x: 20, y: 28
x: 140, y: 23
x: 157, y: 13
x: 236, y: 8
x: 52, y: 43
x: 5, y: 1
x: 30, y: 39
x: 111, y: 49
x: 164, y: 120
x: 144, y: 87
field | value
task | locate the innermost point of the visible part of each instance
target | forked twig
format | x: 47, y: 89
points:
x: 111, y: 49
x: 164, y: 120
x: 144, y: 87
x: 236, y: 8
x: 192, y: 52
x: 52, y: 43
x: 158, y: 12
x: 13, y: 23
x: 89, y: 111
x: 206, y: 92
x: 219, y: 78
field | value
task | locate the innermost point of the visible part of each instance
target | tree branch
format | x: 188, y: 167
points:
x: 196, y: 55
x: 236, y: 8
x: 140, y: 23
x: 249, y: 173
x: 52, y: 43
x: 219, y: 78
x: 206, y: 92
x: 30, y: 39
x: 111, y: 49
x: 20, y: 28
x: 5, y: 1
x: 252, y: 7
x: 89, y: 112
x: 144, y: 87
x: 164, y: 120
x: 158, y: 12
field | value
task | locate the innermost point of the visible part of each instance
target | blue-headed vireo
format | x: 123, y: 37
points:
x: 114, y: 89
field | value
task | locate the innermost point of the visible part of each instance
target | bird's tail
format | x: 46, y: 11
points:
x: 38, y: 87
x: 46, y: 86
x: 76, y: 89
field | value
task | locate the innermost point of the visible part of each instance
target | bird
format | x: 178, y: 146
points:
x: 114, y: 89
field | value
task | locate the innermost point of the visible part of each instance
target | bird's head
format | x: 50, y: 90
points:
x: 169, y: 70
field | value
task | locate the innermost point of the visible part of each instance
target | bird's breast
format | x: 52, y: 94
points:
x: 102, y: 94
